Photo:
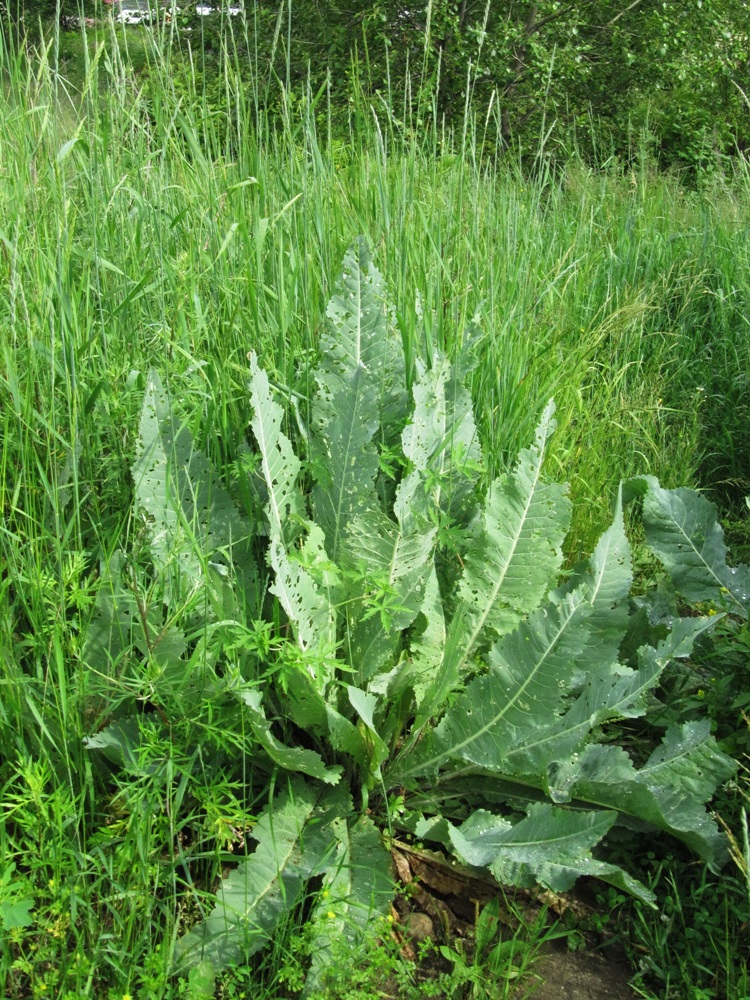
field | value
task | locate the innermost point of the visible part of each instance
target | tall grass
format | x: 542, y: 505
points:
x: 144, y: 220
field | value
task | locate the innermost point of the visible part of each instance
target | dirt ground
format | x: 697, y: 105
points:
x: 441, y: 901
x: 572, y: 975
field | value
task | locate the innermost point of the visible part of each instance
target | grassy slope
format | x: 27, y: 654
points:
x: 139, y: 231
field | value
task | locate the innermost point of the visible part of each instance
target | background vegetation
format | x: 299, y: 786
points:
x: 674, y: 68
x: 176, y: 199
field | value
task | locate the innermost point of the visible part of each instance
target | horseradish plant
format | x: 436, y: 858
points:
x: 389, y: 632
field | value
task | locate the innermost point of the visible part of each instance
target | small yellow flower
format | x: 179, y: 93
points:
x: 712, y: 611
x: 701, y: 693
x: 331, y: 915
x: 325, y: 894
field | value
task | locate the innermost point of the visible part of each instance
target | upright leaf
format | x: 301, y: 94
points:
x: 349, y: 463
x: 193, y: 520
x: 280, y: 466
x: 359, y: 335
x: 517, y: 554
x: 308, y: 606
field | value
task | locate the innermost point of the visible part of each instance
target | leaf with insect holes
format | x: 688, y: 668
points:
x: 668, y: 791
x: 420, y: 641
x: 307, y: 604
x: 192, y: 519
x: 347, y: 470
x: 440, y: 443
x: 517, y: 554
x: 359, y: 335
x: 280, y: 467
x: 510, y: 563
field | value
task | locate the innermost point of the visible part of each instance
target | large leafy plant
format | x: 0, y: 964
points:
x: 395, y: 645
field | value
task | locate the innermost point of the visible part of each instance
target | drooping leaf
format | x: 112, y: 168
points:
x: 290, y: 758
x: 683, y: 531
x: 120, y: 742
x: 551, y: 846
x: 688, y: 759
x: 616, y: 693
x: 668, y: 792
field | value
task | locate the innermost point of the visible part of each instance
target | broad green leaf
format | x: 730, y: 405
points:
x: 357, y: 889
x: 16, y: 913
x: 688, y: 760
x: 120, y: 742
x: 509, y: 567
x: 307, y: 605
x: 347, y: 470
x: 359, y: 335
x: 668, y: 792
x: 290, y: 758
x: 517, y: 554
x: 395, y: 566
x: 365, y: 705
x: 613, y: 693
x: 428, y: 655
x: 347, y: 737
x: 295, y: 840
x: 308, y: 608
x: 550, y: 846
x: 115, y: 619
x: 441, y: 445
x: 520, y: 696
x: 608, y: 577
x: 123, y: 625
x: 683, y: 531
